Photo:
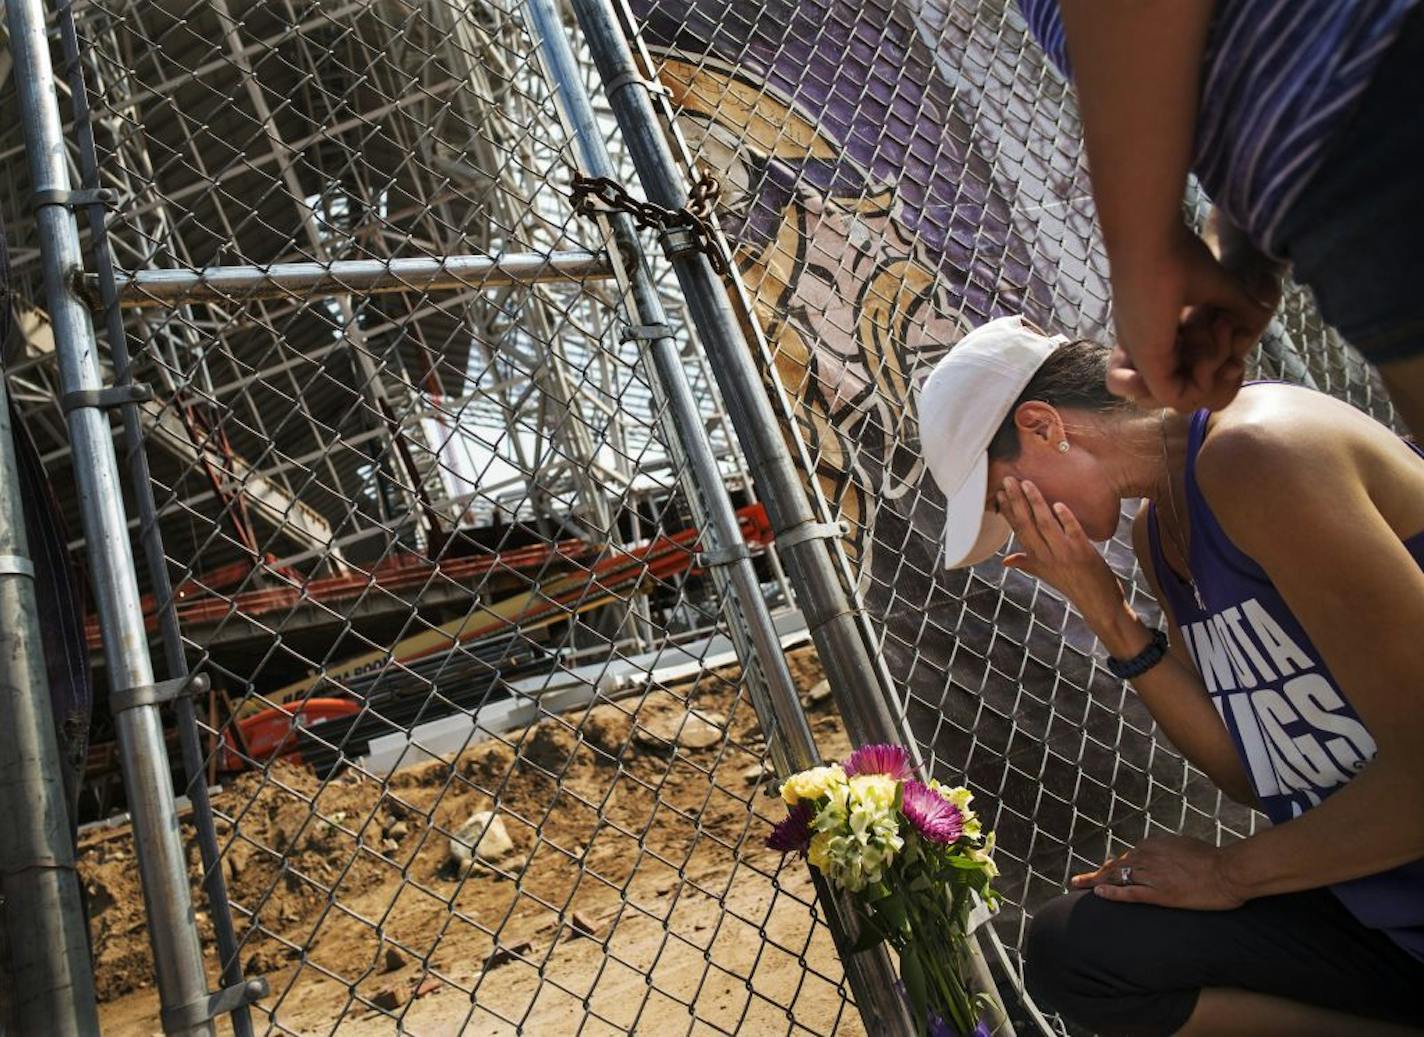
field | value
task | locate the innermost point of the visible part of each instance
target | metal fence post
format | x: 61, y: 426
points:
x: 819, y: 591
x: 178, y: 961
x: 871, y: 974
x: 751, y: 623
x: 47, y: 967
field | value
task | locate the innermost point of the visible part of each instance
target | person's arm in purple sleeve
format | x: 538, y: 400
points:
x: 1136, y: 66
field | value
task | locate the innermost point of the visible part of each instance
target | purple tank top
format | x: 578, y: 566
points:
x: 1293, y: 727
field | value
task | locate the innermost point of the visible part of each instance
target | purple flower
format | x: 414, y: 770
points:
x: 937, y: 819
x: 794, y: 834
x: 941, y: 1028
x: 891, y: 760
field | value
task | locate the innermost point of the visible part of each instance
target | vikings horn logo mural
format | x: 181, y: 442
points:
x: 874, y: 221
x: 890, y: 179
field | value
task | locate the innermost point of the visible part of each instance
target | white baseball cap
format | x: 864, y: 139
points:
x: 961, y: 405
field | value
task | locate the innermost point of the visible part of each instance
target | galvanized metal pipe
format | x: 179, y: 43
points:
x: 819, y: 591
x: 47, y: 968
x: 750, y: 624
x: 219, y: 909
x: 153, y: 288
x: 178, y: 962
x: 856, y: 672
x: 820, y: 594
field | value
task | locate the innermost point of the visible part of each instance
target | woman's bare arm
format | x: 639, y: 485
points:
x: 1056, y: 550
x: 1359, y: 594
x: 1137, y: 66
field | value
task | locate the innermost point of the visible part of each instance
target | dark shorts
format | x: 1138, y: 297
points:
x: 1136, y: 969
x: 1356, y: 233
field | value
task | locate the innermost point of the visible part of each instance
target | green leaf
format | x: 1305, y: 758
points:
x: 912, y: 972
x: 966, y: 864
x: 876, y: 891
x: 893, y: 909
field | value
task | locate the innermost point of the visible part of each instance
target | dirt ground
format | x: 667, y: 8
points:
x: 634, y: 892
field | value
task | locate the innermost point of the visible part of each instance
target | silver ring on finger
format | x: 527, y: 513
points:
x: 1124, y: 875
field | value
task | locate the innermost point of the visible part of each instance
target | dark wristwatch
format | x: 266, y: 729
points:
x: 1126, y: 669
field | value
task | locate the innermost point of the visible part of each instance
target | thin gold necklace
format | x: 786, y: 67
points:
x: 1176, y: 518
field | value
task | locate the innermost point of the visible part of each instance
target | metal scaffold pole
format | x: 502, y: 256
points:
x: 178, y: 961
x: 866, y: 703
x: 47, y: 969
x: 160, y: 288
x: 788, y: 735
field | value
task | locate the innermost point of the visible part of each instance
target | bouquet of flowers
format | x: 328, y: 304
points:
x: 911, y: 855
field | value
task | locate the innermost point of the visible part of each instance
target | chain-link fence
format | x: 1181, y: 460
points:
x: 485, y: 738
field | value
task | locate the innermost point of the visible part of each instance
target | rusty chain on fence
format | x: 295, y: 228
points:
x: 593, y: 195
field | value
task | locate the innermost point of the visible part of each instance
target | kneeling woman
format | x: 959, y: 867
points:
x: 1284, y: 536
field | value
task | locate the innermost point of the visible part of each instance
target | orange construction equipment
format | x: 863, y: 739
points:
x: 272, y: 732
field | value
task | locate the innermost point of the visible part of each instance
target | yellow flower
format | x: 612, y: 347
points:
x: 857, y: 826
x: 811, y: 784
x: 877, y: 790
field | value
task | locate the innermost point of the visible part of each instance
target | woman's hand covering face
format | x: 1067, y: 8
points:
x: 1054, y: 549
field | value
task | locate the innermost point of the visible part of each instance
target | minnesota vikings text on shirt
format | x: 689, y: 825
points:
x: 1299, y: 737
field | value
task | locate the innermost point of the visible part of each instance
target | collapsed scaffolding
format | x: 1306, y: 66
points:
x: 298, y: 423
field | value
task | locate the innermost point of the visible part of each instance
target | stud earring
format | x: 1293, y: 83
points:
x: 1063, y: 446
